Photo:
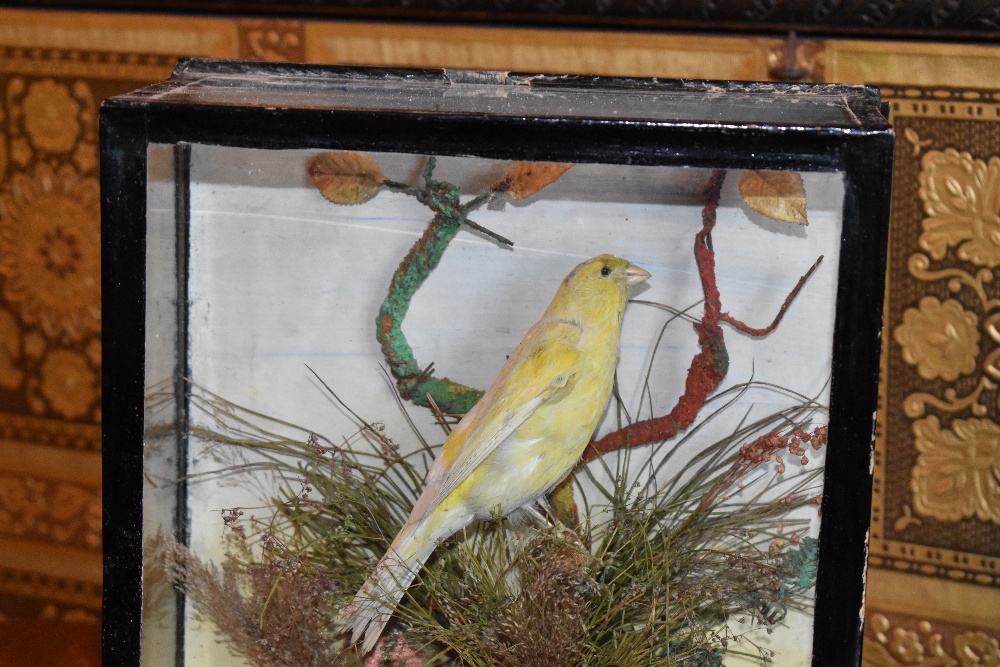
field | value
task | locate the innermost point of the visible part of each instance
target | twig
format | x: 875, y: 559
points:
x: 440, y: 417
x: 741, y: 326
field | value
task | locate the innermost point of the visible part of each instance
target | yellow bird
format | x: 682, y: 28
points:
x: 522, y: 437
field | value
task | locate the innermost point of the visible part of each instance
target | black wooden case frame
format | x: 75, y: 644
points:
x: 641, y: 125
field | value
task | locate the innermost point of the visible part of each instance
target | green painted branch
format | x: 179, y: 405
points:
x: 413, y: 382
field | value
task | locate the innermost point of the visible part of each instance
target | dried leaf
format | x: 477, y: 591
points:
x: 346, y: 177
x: 524, y: 179
x: 776, y: 194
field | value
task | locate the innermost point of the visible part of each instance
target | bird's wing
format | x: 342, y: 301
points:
x: 534, y: 375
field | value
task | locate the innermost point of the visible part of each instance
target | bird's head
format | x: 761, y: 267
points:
x: 600, y: 285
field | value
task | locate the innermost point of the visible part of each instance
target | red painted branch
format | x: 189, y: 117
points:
x: 741, y: 326
x: 708, y: 367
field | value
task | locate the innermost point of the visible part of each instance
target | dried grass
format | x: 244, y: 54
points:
x: 653, y: 576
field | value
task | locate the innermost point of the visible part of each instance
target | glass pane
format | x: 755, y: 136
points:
x: 284, y: 289
x: 163, y: 442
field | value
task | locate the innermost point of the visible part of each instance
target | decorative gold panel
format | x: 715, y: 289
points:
x: 896, y: 640
x: 934, y: 586
x: 937, y: 499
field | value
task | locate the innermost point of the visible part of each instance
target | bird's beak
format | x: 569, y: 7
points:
x: 634, y: 275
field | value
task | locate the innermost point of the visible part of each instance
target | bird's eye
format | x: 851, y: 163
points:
x: 605, y: 271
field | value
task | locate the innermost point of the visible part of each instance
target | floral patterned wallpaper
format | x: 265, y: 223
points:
x: 50, y: 307
x: 50, y: 248
x: 939, y: 466
x: 50, y: 323
x: 55, y: 68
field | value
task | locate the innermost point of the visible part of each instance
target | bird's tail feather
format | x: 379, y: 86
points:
x: 372, y: 607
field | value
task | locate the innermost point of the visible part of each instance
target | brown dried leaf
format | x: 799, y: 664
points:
x: 346, y: 177
x: 777, y: 194
x: 524, y: 179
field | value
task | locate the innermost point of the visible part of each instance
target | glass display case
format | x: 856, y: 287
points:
x: 310, y: 273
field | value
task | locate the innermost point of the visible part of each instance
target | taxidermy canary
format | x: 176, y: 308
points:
x: 523, y: 436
